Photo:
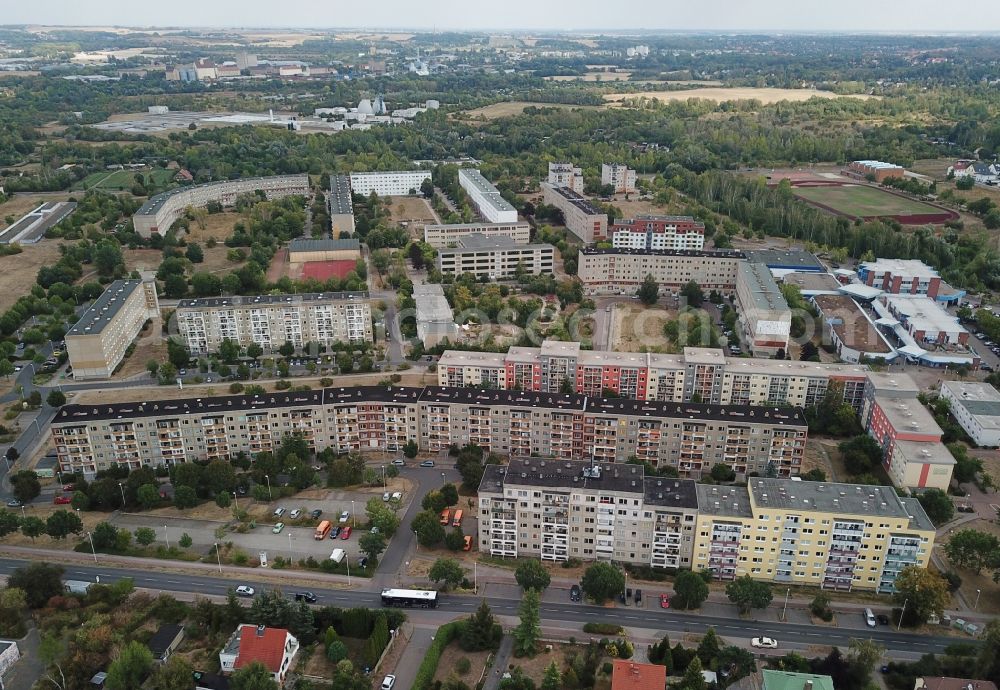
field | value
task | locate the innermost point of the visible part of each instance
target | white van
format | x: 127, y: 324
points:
x: 870, y: 618
x: 338, y: 555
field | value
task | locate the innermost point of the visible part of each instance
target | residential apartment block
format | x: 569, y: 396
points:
x: 441, y: 236
x: 272, y: 320
x: 581, y: 217
x: 486, y: 198
x: 764, y: 316
x: 976, y: 406
x: 619, y: 176
x: 621, y: 271
x: 96, y: 344
x: 703, y: 372
x: 833, y: 536
x: 495, y: 258
x: 556, y: 510
x: 566, y: 175
x: 690, y: 437
x: 389, y: 183
x: 658, y: 232
x: 161, y: 211
x: 341, y: 206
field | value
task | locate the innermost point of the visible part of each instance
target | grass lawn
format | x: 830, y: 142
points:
x: 861, y: 200
x: 123, y: 179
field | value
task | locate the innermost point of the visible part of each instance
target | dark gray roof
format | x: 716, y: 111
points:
x: 564, y: 474
x: 254, y: 300
x: 475, y: 396
x: 164, y: 637
x: 105, y: 307
x: 341, y: 202
x: 580, y: 202
x: 703, y: 253
x: 302, y: 244
x: 784, y: 258
x: 671, y: 493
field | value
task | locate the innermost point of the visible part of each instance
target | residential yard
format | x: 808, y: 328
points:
x: 20, y: 270
x: 449, y: 664
x: 562, y: 654
x: 989, y: 597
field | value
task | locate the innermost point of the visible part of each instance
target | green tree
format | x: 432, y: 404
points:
x: 254, y: 351
x: 40, y: 582
x: 145, y: 536
x: 372, y: 544
x: 649, y: 290
x: 937, y: 505
x: 748, y: 593
x: 80, y: 501
x: 286, y: 349
x: 410, y: 449
x: 335, y: 651
x: 26, y: 486
x: 531, y: 574
x: 105, y: 535
x: 481, y: 631
x: 229, y: 351
x: 253, y: 676
x: 55, y: 398
x: 552, y: 680
x: 972, y: 549
x: 434, y: 501
x: 148, y: 496
x: 382, y: 516
x: 708, y: 648
x: 107, y: 256
x: 693, y: 680
x: 9, y: 522
x: 692, y: 291
x: 62, y: 523
x: 185, y: 541
x: 185, y: 497
x: 450, y: 494
x: 690, y: 590
x: 454, y: 540
x: 865, y: 652
x: 447, y: 571
x: 429, y: 530
x: 194, y: 253
x: 860, y: 453
x: 723, y: 473
x: 529, y: 629
x: 177, y: 353
x: 175, y: 674
x: 6, y: 367
x: 602, y: 581
x: 32, y: 527
x: 924, y: 593
x: 130, y: 668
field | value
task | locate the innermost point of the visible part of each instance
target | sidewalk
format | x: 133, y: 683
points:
x: 499, y: 663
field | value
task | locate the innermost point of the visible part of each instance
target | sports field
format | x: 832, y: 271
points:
x: 862, y: 201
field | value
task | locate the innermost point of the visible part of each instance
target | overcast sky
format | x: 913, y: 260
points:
x: 721, y: 15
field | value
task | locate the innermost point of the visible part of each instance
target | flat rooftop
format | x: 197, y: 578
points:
x: 908, y: 415
x: 920, y: 451
x: 923, y: 314
x: 692, y: 253
x: 105, y: 308
x: 980, y: 399
x: 892, y: 382
x: 240, y: 301
x: 475, y: 178
x: 911, y: 268
x: 155, y: 203
x: 480, y: 242
x: 303, y: 244
x: 467, y: 358
x: 341, y: 202
x: 577, y: 200
x: 811, y: 282
x: 564, y: 475
x: 761, y: 288
x: 851, y: 323
x: 785, y: 258
x: 670, y: 493
x: 433, y: 308
x: 473, y: 227
x: 777, y: 367
x: 724, y: 501
x: 840, y: 499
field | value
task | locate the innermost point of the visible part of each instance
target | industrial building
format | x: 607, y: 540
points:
x: 658, y: 232
x: 272, y: 320
x: 486, y: 198
x: 621, y: 271
x: 581, y: 217
x: 566, y: 175
x: 341, y: 206
x: 96, y: 344
x: 160, y: 212
x: 389, y: 183
x: 764, y: 316
x: 441, y: 236
x: 619, y: 176
x: 850, y: 330
x: 495, y: 258
x: 976, y: 406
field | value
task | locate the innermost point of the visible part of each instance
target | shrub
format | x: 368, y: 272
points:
x: 463, y: 666
x: 607, y: 668
x: 602, y: 628
x: 445, y: 635
x: 954, y: 580
x: 572, y: 563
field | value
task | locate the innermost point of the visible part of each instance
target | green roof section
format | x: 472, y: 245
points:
x: 786, y: 680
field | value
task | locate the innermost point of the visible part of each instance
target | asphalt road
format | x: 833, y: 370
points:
x: 789, y: 635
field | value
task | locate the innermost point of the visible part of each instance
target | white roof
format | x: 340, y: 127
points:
x: 863, y: 292
x: 912, y: 268
x: 923, y: 314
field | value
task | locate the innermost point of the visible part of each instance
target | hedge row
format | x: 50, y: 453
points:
x: 445, y: 635
x: 602, y: 628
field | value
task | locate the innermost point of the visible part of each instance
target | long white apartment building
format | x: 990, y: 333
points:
x: 976, y: 406
x: 619, y: 176
x: 581, y: 217
x: 389, y: 183
x: 658, y: 232
x: 272, y: 320
x: 485, y: 197
x: 97, y: 342
x: 161, y: 211
x: 705, y: 374
x: 441, y: 236
x: 765, y: 319
x: 495, y: 258
x: 341, y: 206
x: 566, y: 175
x: 622, y: 271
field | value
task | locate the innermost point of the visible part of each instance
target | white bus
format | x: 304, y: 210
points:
x: 408, y: 598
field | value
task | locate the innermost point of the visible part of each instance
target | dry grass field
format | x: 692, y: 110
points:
x: 637, y: 327
x: 217, y: 225
x: 22, y: 203
x: 498, y: 110
x: 18, y: 271
x: 414, y: 212
x: 765, y: 95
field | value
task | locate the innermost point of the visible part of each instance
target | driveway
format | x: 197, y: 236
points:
x: 29, y: 667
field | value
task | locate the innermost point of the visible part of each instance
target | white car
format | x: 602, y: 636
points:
x: 244, y: 591
x: 279, y: 511
x: 764, y: 642
x: 345, y: 516
x: 399, y: 462
x: 295, y: 514
x: 388, y: 682
x: 385, y: 497
x: 397, y: 496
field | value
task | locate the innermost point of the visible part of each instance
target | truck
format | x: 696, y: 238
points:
x: 338, y: 555
x: 322, y: 529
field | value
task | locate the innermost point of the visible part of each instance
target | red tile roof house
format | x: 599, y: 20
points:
x: 274, y: 647
x: 630, y: 675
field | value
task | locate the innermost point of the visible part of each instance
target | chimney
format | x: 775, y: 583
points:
x: 262, y: 628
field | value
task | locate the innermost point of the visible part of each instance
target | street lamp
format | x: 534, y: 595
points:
x: 354, y: 516
x: 975, y: 606
x: 92, y: 549
x: 383, y: 477
x: 218, y: 556
x: 268, y: 478
x: 442, y: 479
x: 166, y: 536
x: 785, y: 607
x: 289, y: 546
x: 901, y: 612
x: 236, y: 503
x: 122, y: 487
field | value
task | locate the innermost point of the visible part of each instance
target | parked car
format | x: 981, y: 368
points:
x: 574, y: 593
x: 295, y: 514
x: 62, y: 500
x: 363, y: 562
x: 397, y: 496
x: 427, y: 463
x: 664, y: 601
x: 388, y: 682
x: 882, y: 619
x: 14, y: 503
x: 68, y: 487
x: 468, y: 543
x: 346, y: 533
x: 386, y: 496
x: 399, y: 462
x: 308, y: 597
x: 335, y: 532
x: 344, y: 516
x: 278, y: 527
x: 315, y: 514
x: 764, y: 643
x: 279, y: 511
x: 244, y: 591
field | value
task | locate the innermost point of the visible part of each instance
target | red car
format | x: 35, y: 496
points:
x: 664, y: 601
x: 345, y: 533
x: 63, y: 500
x: 68, y: 487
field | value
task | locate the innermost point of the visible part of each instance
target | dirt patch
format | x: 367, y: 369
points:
x: 639, y: 327
x: 142, y: 259
x: 819, y: 455
x: 217, y: 225
x: 449, y: 664
x: 20, y: 270
x: 561, y: 654
x: 148, y: 345
x: 412, y: 213
x: 719, y: 95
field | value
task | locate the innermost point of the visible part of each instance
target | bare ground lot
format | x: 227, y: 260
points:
x: 498, y: 110
x: 449, y: 658
x: 18, y: 271
x: 411, y: 212
x: 148, y: 345
x: 217, y: 225
x: 719, y: 95
x: 535, y: 666
x: 638, y: 327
